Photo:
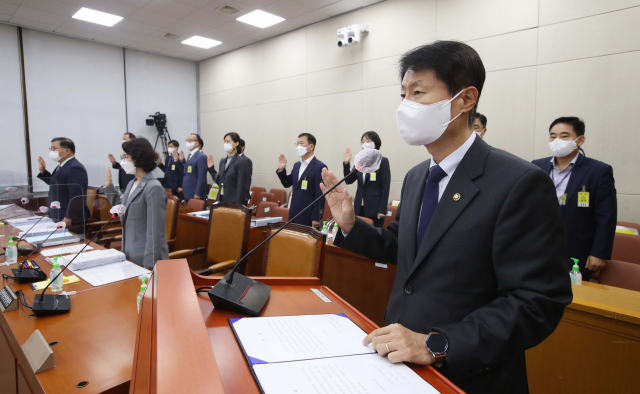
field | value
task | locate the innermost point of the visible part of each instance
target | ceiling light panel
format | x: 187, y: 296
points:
x: 260, y: 19
x: 93, y: 16
x: 201, y: 42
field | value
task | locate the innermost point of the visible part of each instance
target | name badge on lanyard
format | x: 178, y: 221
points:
x: 563, y: 199
x: 304, y: 185
x: 189, y: 169
x: 372, y: 177
x: 583, y: 198
x: 222, y: 189
x: 173, y: 166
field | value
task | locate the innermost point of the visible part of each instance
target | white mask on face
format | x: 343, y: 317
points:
x: 368, y: 145
x: 171, y: 150
x: 54, y: 155
x: 301, y: 150
x: 422, y: 124
x: 128, y: 166
x: 123, y: 141
x: 190, y: 145
x: 479, y: 133
x: 562, y: 148
x: 228, y: 148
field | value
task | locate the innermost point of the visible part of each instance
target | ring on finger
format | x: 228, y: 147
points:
x: 387, y: 345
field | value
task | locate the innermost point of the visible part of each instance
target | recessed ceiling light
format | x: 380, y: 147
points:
x: 260, y: 19
x: 201, y: 42
x: 93, y: 16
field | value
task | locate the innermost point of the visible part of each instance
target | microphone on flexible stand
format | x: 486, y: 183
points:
x: 56, y: 304
x: 9, y: 189
x: 30, y: 275
x: 247, y: 296
x: 45, y: 211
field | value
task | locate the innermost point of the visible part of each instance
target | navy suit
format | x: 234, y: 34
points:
x: 590, y: 230
x: 301, y: 198
x: 123, y: 177
x: 195, y: 182
x: 173, y: 172
x: 68, y: 184
x: 374, y: 193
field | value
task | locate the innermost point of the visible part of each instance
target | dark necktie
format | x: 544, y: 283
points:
x: 429, y: 201
x: 189, y: 156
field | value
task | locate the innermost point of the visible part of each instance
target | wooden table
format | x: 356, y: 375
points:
x: 596, y: 347
x: 95, y: 339
x: 224, y: 369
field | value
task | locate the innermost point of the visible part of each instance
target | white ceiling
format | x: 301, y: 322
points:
x: 146, y: 21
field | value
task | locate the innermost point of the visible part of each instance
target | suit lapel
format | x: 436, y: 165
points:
x: 230, y: 160
x: 575, y: 180
x: 411, y: 206
x: 308, y: 169
x: 294, y: 175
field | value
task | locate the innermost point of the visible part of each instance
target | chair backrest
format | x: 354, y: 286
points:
x: 228, y: 232
x: 279, y: 195
x: 296, y: 251
x: 171, y: 221
x: 630, y: 225
x: 626, y: 247
x: 91, y: 197
x: 101, y: 208
x: 366, y: 220
x: 264, y: 196
x: 391, y: 215
x: 280, y: 212
x: 326, y: 214
x: 620, y: 274
x: 255, y: 191
x: 264, y: 209
x: 195, y: 205
x: 168, y: 191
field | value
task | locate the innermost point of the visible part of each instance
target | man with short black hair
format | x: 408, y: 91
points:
x: 586, y: 192
x: 478, y: 237
x: 123, y: 177
x: 305, y: 179
x: 67, y: 184
x: 480, y: 125
x: 173, y: 168
x: 194, y: 181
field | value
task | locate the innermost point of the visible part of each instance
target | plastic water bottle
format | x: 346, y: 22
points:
x: 11, y: 252
x: 576, y: 276
x: 325, y: 231
x: 143, y: 288
x: 56, y: 285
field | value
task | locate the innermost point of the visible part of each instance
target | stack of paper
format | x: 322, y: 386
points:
x: 261, y: 222
x: 90, y: 259
x: 64, y: 250
x: 26, y: 220
x: 626, y: 230
x: 59, y: 238
x: 110, y: 273
x: 42, y: 228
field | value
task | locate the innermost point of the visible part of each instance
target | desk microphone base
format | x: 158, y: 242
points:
x: 52, y: 304
x: 28, y: 275
x: 244, y: 295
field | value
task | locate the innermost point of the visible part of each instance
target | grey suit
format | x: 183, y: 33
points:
x: 144, y: 239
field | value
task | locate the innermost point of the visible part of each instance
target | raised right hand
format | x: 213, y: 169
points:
x: 347, y: 156
x: 340, y: 202
x: 108, y: 181
x: 181, y: 155
x: 210, y: 162
x: 282, y: 163
x: 112, y: 159
x: 41, y: 164
x: 175, y: 155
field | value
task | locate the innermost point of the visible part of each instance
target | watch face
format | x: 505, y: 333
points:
x: 437, y: 343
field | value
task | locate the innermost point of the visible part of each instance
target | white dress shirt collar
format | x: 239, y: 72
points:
x: 306, y: 162
x: 568, y: 167
x: 451, y: 162
x: 194, y: 150
x: 62, y: 162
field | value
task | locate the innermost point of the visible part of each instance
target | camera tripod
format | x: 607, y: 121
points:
x: 163, y: 137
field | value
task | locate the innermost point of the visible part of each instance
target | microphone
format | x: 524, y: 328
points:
x: 42, y: 209
x: 230, y: 295
x: 56, y: 304
x: 31, y: 274
x: 9, y: 189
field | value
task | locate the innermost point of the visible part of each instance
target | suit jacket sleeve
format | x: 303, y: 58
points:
x: 245, y: 168
x: 180, y: 171
x: 77, y: 193
x: 115, y: 165
x: 113, y: 195
x: 156, y: 199
x: 318, y: 207
x: 606, y: 216
x: 286, y: 180
x: 365, y: 240
x: 202, y: 174
x: 45, y: 176
x: 532, y: 276
x: 346, y: 169
x: 385, y: 181
x: 163, y: 167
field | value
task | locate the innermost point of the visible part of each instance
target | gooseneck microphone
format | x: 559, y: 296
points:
x: 56, y: 304
x: 230, y: 295
x: 9, y: 189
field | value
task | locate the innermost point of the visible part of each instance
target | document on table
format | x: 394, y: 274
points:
x: 319, y: 354
x: 110, y: 273
x: 64, y: 250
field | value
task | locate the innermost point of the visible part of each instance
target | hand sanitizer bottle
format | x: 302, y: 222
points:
x: 325, y: 231
x: 143, y: 288
x: 56, y: 285
x: 11, y: 252
x: 576, y: 276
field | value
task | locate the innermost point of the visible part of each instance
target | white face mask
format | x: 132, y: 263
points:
x: 228, y: 148
x: 123, y: 141
x: 171, y: 150
x: 422, y: 124
x: 54, y: 155
x: 301, y: 150
x: 562, y: 148
x: 190, y: 145
x: 479, y: 133
x: 128, y: 166
x: 368, y: 145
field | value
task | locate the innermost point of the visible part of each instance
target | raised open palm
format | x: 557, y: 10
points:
x: 347, y: 155
x: 282, y: 163
x: 339, y: 200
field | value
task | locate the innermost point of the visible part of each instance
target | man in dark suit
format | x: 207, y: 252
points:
x: 173, y: 168
x: 194, y: 181
x: 478, y: 237
x: 242, y: 146
x: 305, y: 179
x: 586, y: 192
x: 67, y: 184
x: 123, y: 177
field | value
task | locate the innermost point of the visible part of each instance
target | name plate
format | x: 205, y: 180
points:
x: 8, y: 299
x: 38, y: 352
